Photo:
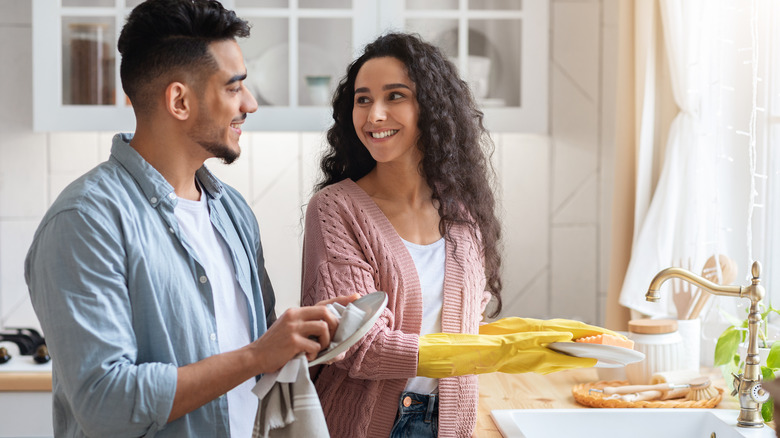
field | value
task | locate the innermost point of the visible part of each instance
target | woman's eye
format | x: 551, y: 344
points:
x: 396, y: 95
x: 361, y: 99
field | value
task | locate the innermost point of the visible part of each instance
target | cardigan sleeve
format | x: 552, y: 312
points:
x: 335, y: 263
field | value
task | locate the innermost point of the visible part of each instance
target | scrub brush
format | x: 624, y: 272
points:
x: 701, y: 389
x: 695, y: 390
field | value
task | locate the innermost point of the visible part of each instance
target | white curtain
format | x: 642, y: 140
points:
x: 682, y: 220
x: 719, y: 179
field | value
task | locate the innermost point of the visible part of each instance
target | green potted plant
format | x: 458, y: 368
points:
x: 728, y: 358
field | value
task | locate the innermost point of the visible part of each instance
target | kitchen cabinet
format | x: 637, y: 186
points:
x: 26, y: 414
x: 25, y: 396
x: 298, y: 51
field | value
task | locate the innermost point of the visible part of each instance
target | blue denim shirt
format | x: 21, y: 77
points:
x: 123, y: 299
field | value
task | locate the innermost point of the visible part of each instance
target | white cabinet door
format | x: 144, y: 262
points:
x: 75, y: 67
x: 25, y: 414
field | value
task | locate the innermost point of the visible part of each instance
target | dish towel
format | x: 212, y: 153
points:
x: 289, y: 405
x: 350, y: 319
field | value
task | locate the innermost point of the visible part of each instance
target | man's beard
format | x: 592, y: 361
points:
x: 205, y: 136
x: 220, y: 150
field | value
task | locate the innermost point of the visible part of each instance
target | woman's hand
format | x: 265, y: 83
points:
x: 516, y: 325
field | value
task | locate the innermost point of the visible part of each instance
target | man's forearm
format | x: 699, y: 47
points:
x: 203, y: 381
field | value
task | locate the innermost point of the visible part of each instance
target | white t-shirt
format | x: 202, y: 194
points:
x: 230, y: 305
x: 429, y: 261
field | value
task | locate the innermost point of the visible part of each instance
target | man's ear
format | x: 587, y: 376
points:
x: 178, y: 100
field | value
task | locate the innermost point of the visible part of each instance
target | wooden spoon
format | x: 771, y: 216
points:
x: 728, y: 273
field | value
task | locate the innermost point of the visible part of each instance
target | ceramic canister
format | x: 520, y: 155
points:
x: 662, y: 345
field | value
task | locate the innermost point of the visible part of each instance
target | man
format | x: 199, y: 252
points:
x: 147, y: 273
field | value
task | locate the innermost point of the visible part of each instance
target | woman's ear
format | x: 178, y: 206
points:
x: 178, y: 100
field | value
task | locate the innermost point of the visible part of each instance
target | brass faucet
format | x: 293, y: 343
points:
x: 748, y: 384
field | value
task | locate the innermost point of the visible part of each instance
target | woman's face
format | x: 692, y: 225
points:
x: 385, y: 111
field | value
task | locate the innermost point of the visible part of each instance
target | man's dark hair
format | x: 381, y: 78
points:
x: 168, y: 40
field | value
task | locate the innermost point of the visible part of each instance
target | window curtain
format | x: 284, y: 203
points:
x: 710, y: 193
x: 645, y: 109
x: 681, y: 223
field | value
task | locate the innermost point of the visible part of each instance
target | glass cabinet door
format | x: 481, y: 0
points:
x: 76, y: 65
x: 499, y: 46
x: 312, y: 50
x: 88, y: 61
x: 267, y: 59
x: 483, y: 41
x: 324, y: 51
x: 295, y: 56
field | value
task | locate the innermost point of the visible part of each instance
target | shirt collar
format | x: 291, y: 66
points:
x: 155, y: 187
x: 209, y: 182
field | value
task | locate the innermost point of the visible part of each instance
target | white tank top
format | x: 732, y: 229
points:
x: 429, y: 261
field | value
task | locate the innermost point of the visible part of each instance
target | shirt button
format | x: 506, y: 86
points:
x: 153, y: 200
x: 170, y: 229
x: 203, y: 279
x: 172, y: 195
x: 214, y: 338
x: 407, y: 401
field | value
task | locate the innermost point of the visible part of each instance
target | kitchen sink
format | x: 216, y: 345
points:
x: 619, y: 423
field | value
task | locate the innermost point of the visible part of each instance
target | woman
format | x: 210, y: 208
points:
x: 406, y: 207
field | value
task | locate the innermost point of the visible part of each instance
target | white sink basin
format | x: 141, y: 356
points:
x: 619, y: 423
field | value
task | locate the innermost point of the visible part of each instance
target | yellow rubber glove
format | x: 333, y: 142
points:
x: 457, y: 354
x: 515, y: 325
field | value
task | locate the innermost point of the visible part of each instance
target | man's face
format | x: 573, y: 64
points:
x: 223, y: 104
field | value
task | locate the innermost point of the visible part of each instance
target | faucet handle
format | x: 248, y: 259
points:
x: 758, y: 393
x: 755, y: 270
x: 736, y: 383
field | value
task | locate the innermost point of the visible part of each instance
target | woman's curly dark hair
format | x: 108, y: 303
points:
x: 453, y: 140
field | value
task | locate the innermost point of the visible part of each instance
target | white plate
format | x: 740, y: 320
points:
x: 608, y: 356
x: 373, y: 304
x: 268, y: 76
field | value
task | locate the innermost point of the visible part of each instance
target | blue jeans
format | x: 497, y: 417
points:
x: 418, y: 416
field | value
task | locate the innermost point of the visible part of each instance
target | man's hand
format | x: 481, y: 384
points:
x: 293, y: 333
x: 303, y: 329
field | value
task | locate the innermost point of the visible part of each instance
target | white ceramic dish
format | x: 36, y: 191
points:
x: 608, y: 356
x: 373, y: 304
x: 268, y: 74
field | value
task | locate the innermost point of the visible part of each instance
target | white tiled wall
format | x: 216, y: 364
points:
x: 555, y: 191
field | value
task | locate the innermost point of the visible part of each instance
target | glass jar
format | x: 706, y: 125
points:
x: 662, y: 345
x: 91, y: 65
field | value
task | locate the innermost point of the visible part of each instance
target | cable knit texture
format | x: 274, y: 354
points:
x: 350, y: 246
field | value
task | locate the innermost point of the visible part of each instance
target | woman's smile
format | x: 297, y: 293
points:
x: 383, y: 134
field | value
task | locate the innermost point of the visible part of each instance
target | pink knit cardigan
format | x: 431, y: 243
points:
x: 350, y: 246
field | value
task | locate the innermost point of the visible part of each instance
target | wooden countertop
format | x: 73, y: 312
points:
x: 25, y: 381
x: 552, y: 391
x: 21, y: 373
x: 496, y: 391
